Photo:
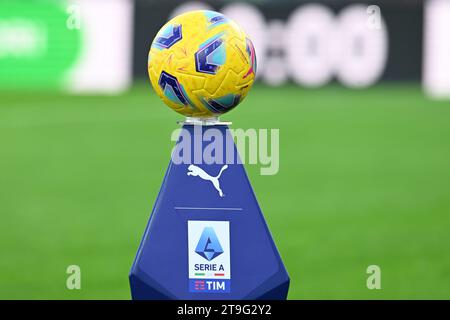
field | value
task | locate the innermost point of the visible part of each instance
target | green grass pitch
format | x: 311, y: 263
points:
x: 364, y: 179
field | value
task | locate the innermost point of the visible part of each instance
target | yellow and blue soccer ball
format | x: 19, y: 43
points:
x: 202, y: 64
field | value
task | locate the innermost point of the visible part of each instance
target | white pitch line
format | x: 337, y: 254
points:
x: 202, y: 208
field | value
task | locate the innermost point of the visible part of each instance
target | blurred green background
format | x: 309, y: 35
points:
x: 364, y: 179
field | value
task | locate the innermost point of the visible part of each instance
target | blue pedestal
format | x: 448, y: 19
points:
x: 206, y: 237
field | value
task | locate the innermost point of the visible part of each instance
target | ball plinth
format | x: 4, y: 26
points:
x: 204, y: 121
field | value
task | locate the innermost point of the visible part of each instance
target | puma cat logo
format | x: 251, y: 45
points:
x: 199, y: 172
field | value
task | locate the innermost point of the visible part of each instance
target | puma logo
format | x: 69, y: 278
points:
x: 199, y: 172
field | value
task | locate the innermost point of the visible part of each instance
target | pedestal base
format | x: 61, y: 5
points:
x: 206, y: 237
